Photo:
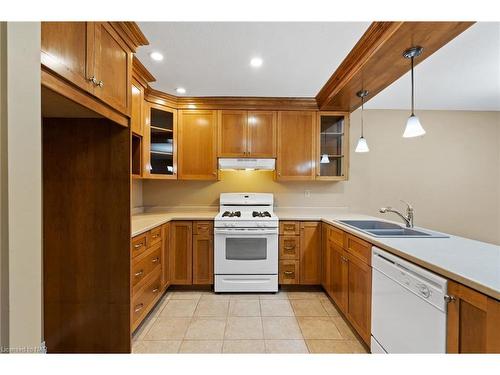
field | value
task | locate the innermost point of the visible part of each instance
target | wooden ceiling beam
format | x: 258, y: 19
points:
x: 377, y: 60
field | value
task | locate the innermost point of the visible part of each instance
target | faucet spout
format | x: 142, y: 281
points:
x: 408, y: 218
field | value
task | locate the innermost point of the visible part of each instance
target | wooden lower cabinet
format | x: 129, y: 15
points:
x: 203, y: 259
x: 310, y: 253
x: 165, y: 273
x: 181, y: 253
x: 339, y: 281
x: 359, y: 296
x: 191, y: 252
x: 473, y: 324
x: 300, y: 253
x: 326, y: 250
x: 146, y: 277
x: 289, y: 272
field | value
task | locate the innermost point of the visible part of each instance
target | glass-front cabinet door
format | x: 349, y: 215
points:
x: 161, y: 138
x: 332, y: 158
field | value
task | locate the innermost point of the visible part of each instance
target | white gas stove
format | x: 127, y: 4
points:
x: 246, y: 244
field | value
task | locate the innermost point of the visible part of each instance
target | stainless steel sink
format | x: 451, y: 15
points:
x: 379, y: 228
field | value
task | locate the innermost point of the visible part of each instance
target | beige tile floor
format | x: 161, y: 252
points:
x: 286, y: 322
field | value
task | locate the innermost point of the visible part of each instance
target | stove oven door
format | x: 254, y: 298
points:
x: 245, y: 251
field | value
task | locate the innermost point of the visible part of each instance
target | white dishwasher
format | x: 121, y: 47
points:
x: 409, y: 306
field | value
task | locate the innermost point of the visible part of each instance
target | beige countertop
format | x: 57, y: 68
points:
x: 473, y: 263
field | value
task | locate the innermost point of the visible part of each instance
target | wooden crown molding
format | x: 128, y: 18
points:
x: 230, y: 102
x: 376, y: 60
x: 141, y: 73
x: 131, y: 34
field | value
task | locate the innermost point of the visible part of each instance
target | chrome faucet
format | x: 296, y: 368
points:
x: 408, y: 219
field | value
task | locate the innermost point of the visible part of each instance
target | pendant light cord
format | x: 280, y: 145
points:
x: 362, y: 111
x: 412, y: 90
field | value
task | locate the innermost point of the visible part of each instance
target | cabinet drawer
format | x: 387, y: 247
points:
x: 336, y: 235
x: 289, y: 247
x: 289, y: 272
x: 139, y: 244
x: 203, y: 228
x: 155, y: 236
x: 143, y: 265
x: 358, y: 248
x: 290, y: 228
x: 142, y: 301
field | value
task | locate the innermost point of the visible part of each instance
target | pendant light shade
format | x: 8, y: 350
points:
x: 362, y: 145
x: 324, y: 159
x: 413, y: 127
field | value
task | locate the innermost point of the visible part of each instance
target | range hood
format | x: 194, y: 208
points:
x: 246, y: 164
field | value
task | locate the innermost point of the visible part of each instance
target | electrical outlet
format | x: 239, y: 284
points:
x: 307, y: 193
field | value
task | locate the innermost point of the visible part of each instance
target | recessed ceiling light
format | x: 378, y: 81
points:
x: 156, y: 56
x: 256, y: 62
x: 180, y: 90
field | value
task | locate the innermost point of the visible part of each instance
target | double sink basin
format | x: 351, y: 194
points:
x: 378, y: 228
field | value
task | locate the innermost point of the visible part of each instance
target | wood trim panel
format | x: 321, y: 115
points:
x: 86, y: 236
x: 376, y: 60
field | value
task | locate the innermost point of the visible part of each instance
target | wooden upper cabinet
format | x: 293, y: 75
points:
x: 159, y: 142
x: 137, y: 108
x: 332, y: 145
x: 113, y: 67
x: 473, y: 321
x: 93, y: 56
x: 310, y: 253
x: 261, y: 134
x: 67, y: 48
x: 232, y: 133
x: 197, y: 138
x: 247, y: 134
x: 296, y: 145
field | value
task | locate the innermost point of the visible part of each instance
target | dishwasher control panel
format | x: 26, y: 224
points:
x: 427, y: 285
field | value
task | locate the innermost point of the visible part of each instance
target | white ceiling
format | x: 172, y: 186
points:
x: 212, y: 59
x: 463, y: 75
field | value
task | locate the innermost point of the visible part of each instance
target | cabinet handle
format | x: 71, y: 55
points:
x: 214, y: 173
x: 449, y: 299
x: 289, y: 247
x: 138, y: 307
x: 155, y: 290
x: 93, y: 80
x: 156, y: 235
x: 138, y: 246
x: 288, y: 272
x: 100, y: 84
x: 155, y: 260
x: 137, y: 274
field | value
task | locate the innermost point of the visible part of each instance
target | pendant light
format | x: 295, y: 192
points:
x: 413, y: 126
x: 362, y: 144
x: 324, y: 158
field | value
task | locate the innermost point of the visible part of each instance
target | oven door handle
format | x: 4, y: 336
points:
x: 247, y: 232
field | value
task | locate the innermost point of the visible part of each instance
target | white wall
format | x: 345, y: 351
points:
x: 451, y: 175
x: 22, y: 184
